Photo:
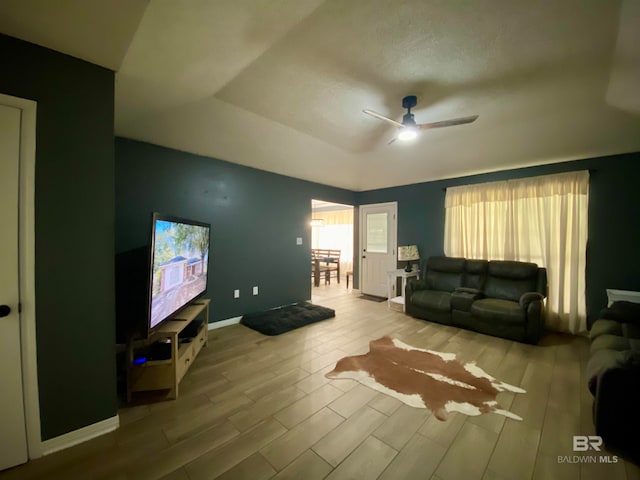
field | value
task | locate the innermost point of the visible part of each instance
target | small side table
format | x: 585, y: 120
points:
x: 392, y: 277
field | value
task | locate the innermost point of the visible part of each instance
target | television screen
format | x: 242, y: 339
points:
x: 179, y: 265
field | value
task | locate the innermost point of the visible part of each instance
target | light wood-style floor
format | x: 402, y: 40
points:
x: 257, y: 407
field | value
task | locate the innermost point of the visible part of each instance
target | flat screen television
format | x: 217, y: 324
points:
x: 179, y: 265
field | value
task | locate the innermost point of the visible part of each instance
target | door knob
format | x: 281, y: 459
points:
x: 4, y: 310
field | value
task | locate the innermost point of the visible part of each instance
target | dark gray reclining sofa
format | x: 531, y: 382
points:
x: 500, y: 298
x: 613, y: 374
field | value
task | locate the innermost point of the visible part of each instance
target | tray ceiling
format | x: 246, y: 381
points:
x: 281, y: 86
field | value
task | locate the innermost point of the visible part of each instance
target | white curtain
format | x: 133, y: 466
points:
x: 539, y: 219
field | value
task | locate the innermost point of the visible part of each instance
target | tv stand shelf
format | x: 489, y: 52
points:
x: 167, y: 373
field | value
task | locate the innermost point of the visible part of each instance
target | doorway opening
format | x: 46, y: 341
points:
x: 332, y: 241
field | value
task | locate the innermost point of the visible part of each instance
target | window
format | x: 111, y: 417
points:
x: 377, y: 237
x: 539, y: 219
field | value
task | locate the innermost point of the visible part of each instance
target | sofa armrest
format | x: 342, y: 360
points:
x: 622, y: 311
x: 414, y: 285
x: 462, y: 298
x: 530, y: 297
x: 606, y: 359
x: 532, y: 303
x: 470, y: 291
x: 615, y: 414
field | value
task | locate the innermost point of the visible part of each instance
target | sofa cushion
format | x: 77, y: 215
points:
x: 513, y: 270
x: 508, y: 280
x: 616, y: 343
x: 498, y: 310
x: 604, y: 327
x: 442, y: 281
x: 432, y: 299
x: 475, y: 273
x: 444, y: 273
x: 446, y: 264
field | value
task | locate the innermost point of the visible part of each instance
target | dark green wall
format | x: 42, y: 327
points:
x: 255, y: 218
x: 74, y: 210
x: 613, y: 256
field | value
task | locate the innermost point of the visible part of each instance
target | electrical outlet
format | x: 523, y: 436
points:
x: 298, y: 240
x: 236, y: 293
x: 255, y: 290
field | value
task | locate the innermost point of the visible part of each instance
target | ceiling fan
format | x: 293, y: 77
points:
x: 409, y: 128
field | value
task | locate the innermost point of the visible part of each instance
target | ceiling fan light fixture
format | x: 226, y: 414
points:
x: 408, y: 129
x: 408, y: 133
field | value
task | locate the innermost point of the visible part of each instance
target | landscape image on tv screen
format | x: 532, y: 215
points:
x: 179, y: 270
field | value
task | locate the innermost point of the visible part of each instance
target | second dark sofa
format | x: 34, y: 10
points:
x: 500, y: 298
x: 613, y: 373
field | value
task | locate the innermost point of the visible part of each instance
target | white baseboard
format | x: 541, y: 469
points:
x: 224, y: 323
x: 81, y: 435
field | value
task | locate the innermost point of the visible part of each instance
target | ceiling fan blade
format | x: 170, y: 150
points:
x: 383, y: 118
x: 448, y: 123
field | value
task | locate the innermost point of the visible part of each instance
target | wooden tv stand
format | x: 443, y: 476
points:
x: 166, y: 374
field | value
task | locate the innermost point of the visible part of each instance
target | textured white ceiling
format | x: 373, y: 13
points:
x: 94, y: 30
x: 280, y: 85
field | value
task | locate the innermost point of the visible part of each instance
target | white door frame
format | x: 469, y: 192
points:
x: 394, y: 235
x: 26, y: 245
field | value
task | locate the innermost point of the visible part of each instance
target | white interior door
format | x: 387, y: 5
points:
x: 377, y: 246
x: 13, y: 439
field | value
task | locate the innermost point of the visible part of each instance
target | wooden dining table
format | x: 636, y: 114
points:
x: 324, y: 262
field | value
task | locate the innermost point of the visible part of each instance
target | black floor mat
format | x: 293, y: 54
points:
x: 282, y: 319
x: 373, y: 298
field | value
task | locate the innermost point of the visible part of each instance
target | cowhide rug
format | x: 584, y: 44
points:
x: 425, y: 379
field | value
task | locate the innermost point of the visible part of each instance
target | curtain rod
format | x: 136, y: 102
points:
x: 590, y: 170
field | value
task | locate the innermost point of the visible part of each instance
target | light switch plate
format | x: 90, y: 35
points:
x: 255, y: 290
x: 236, y: 294
x: 298, y: 240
